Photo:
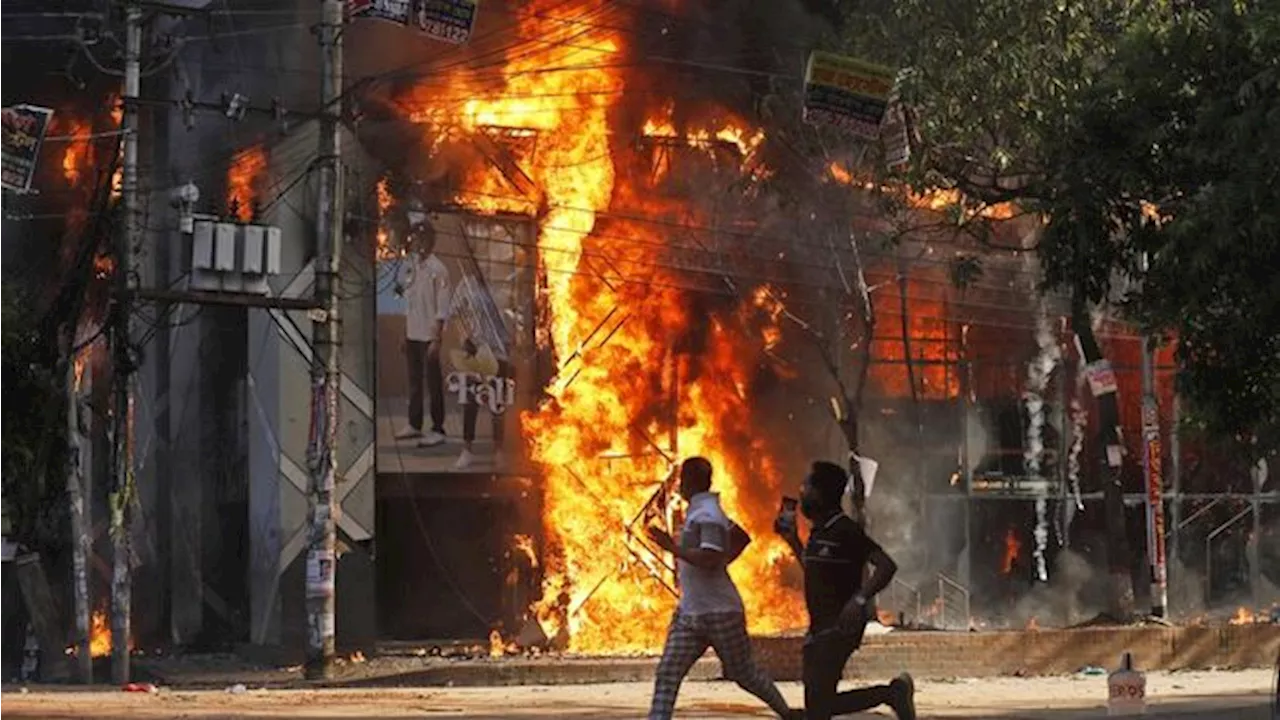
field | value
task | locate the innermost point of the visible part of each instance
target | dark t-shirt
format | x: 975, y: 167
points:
x: 834, y: 559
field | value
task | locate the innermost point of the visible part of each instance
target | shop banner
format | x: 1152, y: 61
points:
x: 450, y: 21
x: 24, y: 130
x: 847, y: 93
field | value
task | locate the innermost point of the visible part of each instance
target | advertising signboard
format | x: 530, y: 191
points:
x: 24, y: 130
x: 847, y: 93
x: 455, y: 345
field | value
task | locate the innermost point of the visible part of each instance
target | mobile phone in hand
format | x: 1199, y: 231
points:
x: 787, y: 514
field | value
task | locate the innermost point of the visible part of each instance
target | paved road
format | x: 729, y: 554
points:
x: 1245, y: 695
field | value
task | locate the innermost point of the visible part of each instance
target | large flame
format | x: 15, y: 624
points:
x: 625, y: 405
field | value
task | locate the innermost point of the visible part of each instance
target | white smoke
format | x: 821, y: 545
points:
x: 1039, y: 370
x: 1079, y: 425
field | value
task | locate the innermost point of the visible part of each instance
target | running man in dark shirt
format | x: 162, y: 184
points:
x: 834, y: 558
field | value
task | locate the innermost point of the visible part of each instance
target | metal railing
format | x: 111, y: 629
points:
x: 1208, y: 549
x: 953, y: 604
x: 902, y: 599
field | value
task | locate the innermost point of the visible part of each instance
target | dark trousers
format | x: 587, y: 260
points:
x: 418, y: 358
x: 825, y: 655
x: 471, y: 410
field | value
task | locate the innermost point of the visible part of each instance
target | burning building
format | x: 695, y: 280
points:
x: 640, y: 266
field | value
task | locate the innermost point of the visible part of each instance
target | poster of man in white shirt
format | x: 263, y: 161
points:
x: 423, y: 281
x: 455, y: 343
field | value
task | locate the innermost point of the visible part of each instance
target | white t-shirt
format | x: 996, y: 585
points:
x: 704, y: 591
x: 426, y: 293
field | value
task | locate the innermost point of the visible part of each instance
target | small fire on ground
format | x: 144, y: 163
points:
x: 99, y: 635
x: 1243, y: 616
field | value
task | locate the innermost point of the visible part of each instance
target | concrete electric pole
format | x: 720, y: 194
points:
x: 1153, y: 476
x: 326, y: 330
x: 125, y: 360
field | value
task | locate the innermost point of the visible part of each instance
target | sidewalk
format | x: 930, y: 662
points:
x: 1245, y: 695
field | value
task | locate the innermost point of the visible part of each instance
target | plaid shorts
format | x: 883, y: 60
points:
x: 688, y: 638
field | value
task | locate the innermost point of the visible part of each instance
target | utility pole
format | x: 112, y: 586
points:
x: 75, y: 497
x: 1153, y: 475
x: 124, y: 361
x: 326, y: 331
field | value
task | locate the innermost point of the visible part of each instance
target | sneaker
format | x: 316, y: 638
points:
x: 904, y: 697
x: 408, y: 433
x: 431, y: 439
x: 464, y: 460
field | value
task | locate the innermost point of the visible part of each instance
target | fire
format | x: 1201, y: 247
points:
x: 496, y: 647
x: 103, y: 266
x: 1012, y: 548
x: 99, y: 634
x: 626, y: 406
x: 1243, y: 616
x: 77, y: 157
x: 766, y: 299
x: 245, y: 172
x: 524, y: 545
x: 934, y: 199
x: 79, y: 371
x: 886, y: 617
x: 385, y: 199
x: 933, y: 340
x: 100, y: 643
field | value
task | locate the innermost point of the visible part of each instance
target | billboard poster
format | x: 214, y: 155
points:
x: 846, y: 93
x: 449, y: 21
x: 24, y: 130
x: 455, y: 341
x: 393, y: 11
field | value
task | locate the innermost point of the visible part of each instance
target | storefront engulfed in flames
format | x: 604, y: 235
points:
x: 643, y: 378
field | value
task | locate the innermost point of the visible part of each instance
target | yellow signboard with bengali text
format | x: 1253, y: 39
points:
x: 847, y: 93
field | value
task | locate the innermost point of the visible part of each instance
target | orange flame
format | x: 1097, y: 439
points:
x: 603, y: 449
x: 1243, y: 616
x: 79, y: 371
x: 99, y: 634
x: 385, y: 200
x: 245, y: 172
x: 524, y: 545
x: 934, y: 199
x: 935, y: 350
x: 78, y: 154
x: 1012, y: 548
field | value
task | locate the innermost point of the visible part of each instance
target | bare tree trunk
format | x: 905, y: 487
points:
x: 1119, y: 554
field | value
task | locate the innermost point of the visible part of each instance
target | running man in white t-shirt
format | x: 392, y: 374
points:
x: 710, y: 612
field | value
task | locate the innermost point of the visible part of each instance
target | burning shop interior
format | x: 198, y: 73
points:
x: 648, y: 257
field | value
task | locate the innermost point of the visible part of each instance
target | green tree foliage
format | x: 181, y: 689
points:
x: 1186, y: 119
